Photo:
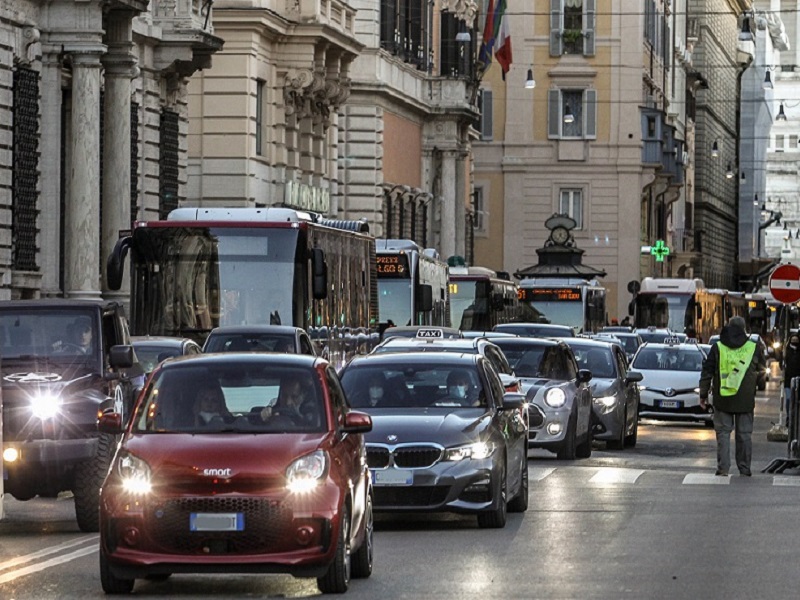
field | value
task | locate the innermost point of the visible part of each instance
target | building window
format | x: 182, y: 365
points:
x: 572, y: 27
x: 168, y: 166
x: 778, y: 143
x: 572, y: 114
x: 793, y: 142
x: 404, y: 30
x: 485, y: 107
x: 480, y: 215
x: 571, y: 203
x: 454, y: 55
x: 25, y: 168
x: 259, y: 117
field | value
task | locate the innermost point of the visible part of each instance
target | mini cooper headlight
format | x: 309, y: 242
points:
x: 478, y: 451
x: 134, y: 474
x: 305, y: 473
x: 45, y: 406
x: 555, y: 397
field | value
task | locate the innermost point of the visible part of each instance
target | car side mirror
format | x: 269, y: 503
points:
x: 121, y: 357
x: 633, y: 377
x: 357, y: 422
x: 513, y: 401
x: 584, y: 376
x: 424, y: 297
x: 110, y: 422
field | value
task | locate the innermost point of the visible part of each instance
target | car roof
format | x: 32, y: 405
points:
x: 416, y: 358
x: 579, y: 341
x: 528, y: 341
x: 224, y: 358
x: 466, y: 343
x: 163, y: 340
x: 251, y: 329
x: 502, y: 326
x: 410, y: 331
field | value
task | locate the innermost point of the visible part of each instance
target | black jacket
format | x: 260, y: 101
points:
x: 791, y: 364
x: 743, y: 400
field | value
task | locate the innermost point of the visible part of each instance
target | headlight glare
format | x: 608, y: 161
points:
x: 134, y: 474
x: 607, y: 401
x: 555, y: 397
x: 45, y: 406
x: 477, y: 451
x: 305, y: 473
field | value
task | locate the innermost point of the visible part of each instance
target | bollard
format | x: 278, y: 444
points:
x: 793, y: 422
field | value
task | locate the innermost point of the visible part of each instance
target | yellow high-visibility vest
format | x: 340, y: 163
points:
x: 733, y: 365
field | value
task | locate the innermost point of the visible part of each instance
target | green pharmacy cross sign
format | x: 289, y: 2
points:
x: 660, y: 250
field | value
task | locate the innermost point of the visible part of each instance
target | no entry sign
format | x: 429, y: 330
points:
x: 784, y: 283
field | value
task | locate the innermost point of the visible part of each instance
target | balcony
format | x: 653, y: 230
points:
x: 660, y: 150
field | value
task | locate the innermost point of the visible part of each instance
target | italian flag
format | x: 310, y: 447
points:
x: 502, y: 37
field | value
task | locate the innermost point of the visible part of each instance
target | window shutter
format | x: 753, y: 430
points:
x: 487, y: 124
x: 590, y: 110
x: 555, y: 28
x: 553, y: 113
x: 588, y: 27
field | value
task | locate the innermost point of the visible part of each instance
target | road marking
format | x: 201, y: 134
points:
x: 539, y: 473
x: 4, y: 566
x: 35, y: 568
x: 786, y: 480
x: 706, y: 479
x: 611, y: 475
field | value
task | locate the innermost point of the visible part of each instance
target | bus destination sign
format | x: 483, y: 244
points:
x: 550, y: 294
x: 393, y: 265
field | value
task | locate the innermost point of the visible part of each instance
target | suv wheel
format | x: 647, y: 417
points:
x: 89, y: 476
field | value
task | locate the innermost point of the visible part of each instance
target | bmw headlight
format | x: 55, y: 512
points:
x: 305, y: 473
x: 134, y: 474
x: 478, y: 451
x: 45, y: 406
x: 555, y: 397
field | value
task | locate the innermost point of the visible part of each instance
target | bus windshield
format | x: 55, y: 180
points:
x: 394, y: 301
x: 464, y: 305
x: 558, y: 312
x: 198, y: 278
x: 664, y: 310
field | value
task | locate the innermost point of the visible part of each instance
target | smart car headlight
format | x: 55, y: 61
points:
x: 555, y: 397
x: 305, y: 473
x: 478, y: 451
x: 134, y: 474
x: 45, y: 406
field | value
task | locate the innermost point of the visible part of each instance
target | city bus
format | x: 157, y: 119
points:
x: 480, y: 299
x: 412, y: 285
x: 202, y: 268
x: 574, y: 302
x: 682, y: 305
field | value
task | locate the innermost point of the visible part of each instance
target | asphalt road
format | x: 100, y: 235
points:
x: 649, y: 522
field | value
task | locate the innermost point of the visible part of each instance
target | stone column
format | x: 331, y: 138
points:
x: 460, y: 207
x: 120, y: 67
x: 82, y: 222
x: 448, y: 221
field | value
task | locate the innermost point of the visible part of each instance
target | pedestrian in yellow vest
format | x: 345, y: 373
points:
x: 730, y: 373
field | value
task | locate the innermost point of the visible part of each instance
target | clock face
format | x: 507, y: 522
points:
x: 559, y: 235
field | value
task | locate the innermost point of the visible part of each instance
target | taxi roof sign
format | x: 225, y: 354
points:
x: 430, y: 334
x: 672, y: 340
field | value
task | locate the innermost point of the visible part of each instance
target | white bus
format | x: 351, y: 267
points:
x: 575, y: 302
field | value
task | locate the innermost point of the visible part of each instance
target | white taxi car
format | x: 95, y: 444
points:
x: 669, y: 389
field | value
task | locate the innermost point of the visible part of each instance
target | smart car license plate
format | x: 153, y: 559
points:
x: 670, y: 404
x: 216, y: 522
x: 392, y: 477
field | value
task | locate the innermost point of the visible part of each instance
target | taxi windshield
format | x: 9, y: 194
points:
x: 669, y: 359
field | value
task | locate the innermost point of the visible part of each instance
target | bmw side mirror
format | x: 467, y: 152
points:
x: 584, y: 376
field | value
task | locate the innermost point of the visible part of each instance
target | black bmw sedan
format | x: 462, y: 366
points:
x: 445, y: 436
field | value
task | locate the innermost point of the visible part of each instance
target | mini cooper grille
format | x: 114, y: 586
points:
x: 535, y: 416
x: 378, y: 458
x: 416, y: 496
x: 416, y: 457
x: 266, y: 525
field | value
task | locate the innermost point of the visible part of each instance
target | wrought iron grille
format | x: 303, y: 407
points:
x: 168, y: 163
x: 25, y: 169
x: 134, y: 159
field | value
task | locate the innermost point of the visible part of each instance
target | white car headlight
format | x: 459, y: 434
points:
x: 776, y: 345
x: 135, y: 474
x: 555, y: 397
x: 45, y: 406
x: 478, y: 451
x: 305, y: 473
x: 607, y: 401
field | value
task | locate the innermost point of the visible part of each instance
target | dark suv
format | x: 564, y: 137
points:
x: 63, y: 363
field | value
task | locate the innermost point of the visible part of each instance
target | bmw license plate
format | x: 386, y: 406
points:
x: 392, y: 477
x: 670, y: 404
x: 216, y: 522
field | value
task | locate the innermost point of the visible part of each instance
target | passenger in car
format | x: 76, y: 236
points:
x: 210, y: 408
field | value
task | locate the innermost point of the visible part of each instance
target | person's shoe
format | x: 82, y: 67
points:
x: 745, y: 474
x: 721, y: 473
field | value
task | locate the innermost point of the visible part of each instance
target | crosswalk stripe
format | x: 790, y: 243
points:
x: 539, y: 473
x: 706, y: 479
x: 785, y: 480
x: 615, y: 475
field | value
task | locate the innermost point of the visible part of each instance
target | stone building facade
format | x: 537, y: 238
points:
x: 93, y: 125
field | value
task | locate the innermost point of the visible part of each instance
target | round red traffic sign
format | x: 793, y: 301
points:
x: 784, y: 283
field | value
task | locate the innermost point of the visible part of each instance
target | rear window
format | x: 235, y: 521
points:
x: 232, y: 398
x: 250, y: 343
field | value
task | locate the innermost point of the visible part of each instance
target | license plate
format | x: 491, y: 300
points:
x: 216, y: 522
x: 392, y: 477
x: 670, y: 404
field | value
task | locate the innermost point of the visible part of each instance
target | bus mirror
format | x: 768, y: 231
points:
x: 319, y: 271
x: 115, y: 265
x: 728, y: 311
x: 699, y: 312
x: 424, y: 298
x: 498, y: 303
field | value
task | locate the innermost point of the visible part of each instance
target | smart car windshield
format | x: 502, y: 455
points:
x: 413, y: 386
x: 232, y: 397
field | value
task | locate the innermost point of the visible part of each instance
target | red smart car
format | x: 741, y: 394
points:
x: 238, y: 462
